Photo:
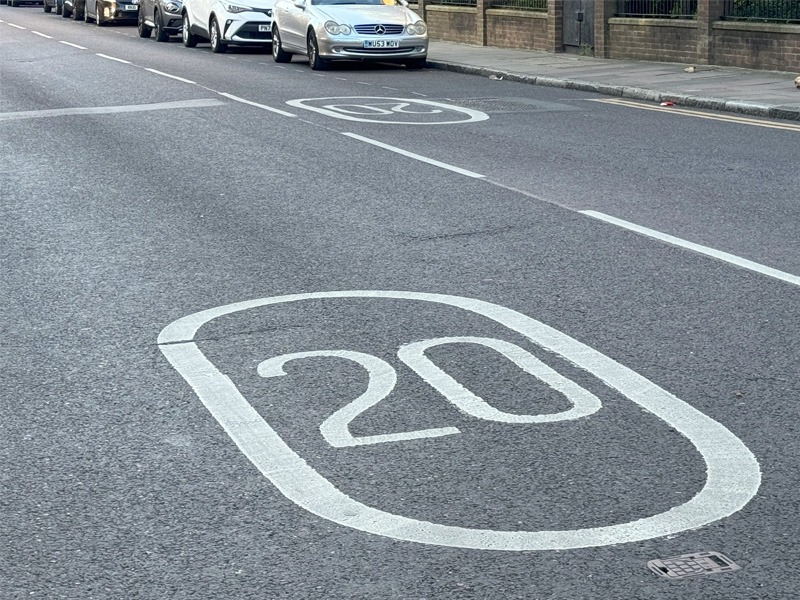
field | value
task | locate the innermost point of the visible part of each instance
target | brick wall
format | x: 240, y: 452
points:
x: 516, y: 29
x: 756, y: 46
x: 665, y: 40
x: 452, y: 24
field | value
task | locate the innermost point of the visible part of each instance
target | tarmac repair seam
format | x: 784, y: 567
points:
x: 701, y: 115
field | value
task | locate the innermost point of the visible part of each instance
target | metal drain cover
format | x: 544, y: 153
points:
x: 692, y: 565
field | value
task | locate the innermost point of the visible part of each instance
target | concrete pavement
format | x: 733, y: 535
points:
x: 747, y: 91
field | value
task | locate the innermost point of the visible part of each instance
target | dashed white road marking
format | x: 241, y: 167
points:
x: 16, y: 26
x: 386, y: 87
x: 49, y: 37
x: 418, y: 157
x: 257, y: 105
x: 363, y: 83
x: 675, y: 241
x: 171, y: 76
x: 418, y: 94
x: 127, y: 62
x: 73, y: 45
x: 102, y: 110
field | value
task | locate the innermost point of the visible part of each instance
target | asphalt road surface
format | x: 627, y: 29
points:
x: 377, y: 333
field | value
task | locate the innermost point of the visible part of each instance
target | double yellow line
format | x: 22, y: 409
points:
x: 702, y: 115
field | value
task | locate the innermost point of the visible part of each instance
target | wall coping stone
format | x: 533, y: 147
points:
x: 460, y: 9
x: 758, y: 27
x: 680, y: 23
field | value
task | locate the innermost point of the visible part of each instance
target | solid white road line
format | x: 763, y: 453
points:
x: 112, y: 58
x: 16, y: 26
x: 424, y: 159
x: 104, y: 110
x: 257, y: 105
x: 71, y: 44
x: 171, y: 76
x: 49, y: 37
x: 718, y: 254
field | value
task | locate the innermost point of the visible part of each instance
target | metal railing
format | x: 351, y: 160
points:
x: 657, y: 9
x: 763, y: 11
x: 534, y: 5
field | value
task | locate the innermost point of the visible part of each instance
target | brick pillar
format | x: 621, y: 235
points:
x: 603, y: 11
x: 480, y: 19
x: 555, y: 25
x: 708, y: 13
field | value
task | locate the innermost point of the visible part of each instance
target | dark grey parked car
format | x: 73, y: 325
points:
x: 109, y: 11
x: 161, y: 17
x: 57, y: 5
x: 74, y: 9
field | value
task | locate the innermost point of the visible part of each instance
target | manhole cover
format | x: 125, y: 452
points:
x: 507, y: 105
x: 692, y: 565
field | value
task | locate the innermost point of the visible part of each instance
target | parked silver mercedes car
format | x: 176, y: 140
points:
x: 325, y: 30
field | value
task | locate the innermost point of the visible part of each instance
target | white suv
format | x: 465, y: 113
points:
x: 222, y: 22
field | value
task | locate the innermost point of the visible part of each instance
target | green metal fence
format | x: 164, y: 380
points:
x: 763, y: 11
x: 657, y: 9
x: 534, y: 5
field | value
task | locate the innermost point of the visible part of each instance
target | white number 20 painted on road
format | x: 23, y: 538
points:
x: 382, y: 380
x: 732, y: 472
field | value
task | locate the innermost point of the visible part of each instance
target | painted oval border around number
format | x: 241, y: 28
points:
x: 732, y: 480
x: 474, y: 115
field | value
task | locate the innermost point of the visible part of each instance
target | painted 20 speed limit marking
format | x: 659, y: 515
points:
x: 732, y: 472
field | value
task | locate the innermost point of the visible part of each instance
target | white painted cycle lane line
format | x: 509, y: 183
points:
x: 676, y: 241
x: 733, y: 476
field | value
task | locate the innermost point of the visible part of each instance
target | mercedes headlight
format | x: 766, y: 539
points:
x: 235, y: 9
x: 172, y: 7
x: 334, y: 28
x: 418, y: 28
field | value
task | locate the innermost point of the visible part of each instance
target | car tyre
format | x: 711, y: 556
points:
x: 314, y: 60
x: 86, y: 17
x: 59, y: 7
x: 161, y: 35
x: 189, y: 39
x: 279, y: 55
x: 98, y: 9
x: 76, y: 16
x: 13, y: 3
x: 144, y: 30
x: 65, y: 13
x: 217, y: 45
x: 47, y: 8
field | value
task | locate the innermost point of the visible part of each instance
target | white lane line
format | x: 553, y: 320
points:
x: 104, y: 110
x: 363, y: 83
x: 342, y: 78
x: 16, y: 26
x: 171, y: 76
x: 386, y: 87
x: 49, y: 37
x: 418, y: 94
x: 424, y: 159
x: 718, y: 254
x: 257, y: 105
x: 112, y: 58
x: 73, y: 45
